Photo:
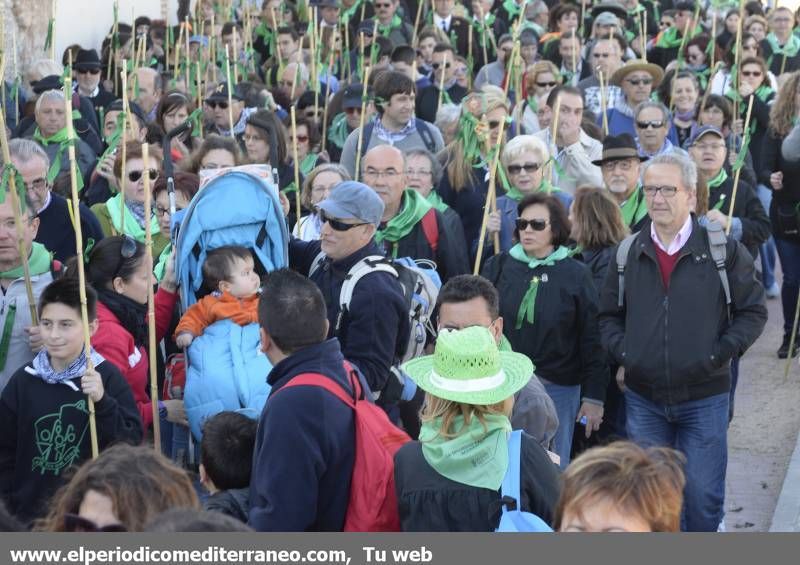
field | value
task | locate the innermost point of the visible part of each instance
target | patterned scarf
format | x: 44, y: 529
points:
x: 46, y: 372
x: 393, y: 137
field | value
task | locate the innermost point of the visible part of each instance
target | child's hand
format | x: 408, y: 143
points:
x: 184, y: 340
x: 92, y: 385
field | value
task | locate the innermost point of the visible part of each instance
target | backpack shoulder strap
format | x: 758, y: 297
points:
x: 623, y: 251
x: 426, y: 135
x: 430, y: 227
x: 718, y: 246
x: 367, y: 265
x: 510, y: 487
x: 366, y: 134
x: 321, y: 381
x: 315, y: 264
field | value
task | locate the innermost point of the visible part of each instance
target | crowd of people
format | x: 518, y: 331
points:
x: 528, y: 242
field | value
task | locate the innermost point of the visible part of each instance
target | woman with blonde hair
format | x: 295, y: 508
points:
x: 540, y: 79
x: 316, y: 188
x: 450, y: 479
x: 780, y: 171
x: 622, y: 487
x: 467, y: 159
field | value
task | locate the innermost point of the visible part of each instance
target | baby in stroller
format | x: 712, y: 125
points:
x: 229, y: 273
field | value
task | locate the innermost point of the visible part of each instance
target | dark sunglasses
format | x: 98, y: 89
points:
x: 546, y: 84
x: 638, y: 81
x: 494, y: 124
x: 437, y: 65
x: 134, y: 176
x: 752, y: 73
x: 88, y: 71
x: 527, y: 167
x: 213, y: 105
x: 301, y: 138
x: 337, y: 225
x: 352, y: 110
x: 75, y: 523
x: 536, y: 225
x: 655, y: 124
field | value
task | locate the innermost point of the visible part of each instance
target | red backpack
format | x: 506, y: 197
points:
x: 373, y: 502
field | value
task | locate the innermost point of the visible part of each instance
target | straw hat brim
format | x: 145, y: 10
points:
x: 652, y: 69
x: 517, y: 370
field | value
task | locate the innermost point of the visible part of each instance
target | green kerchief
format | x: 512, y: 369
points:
x: 39, y: 263
x: 62, y: 139
x: 634, y: 208
x: 412, y: 208
x: 477, y: 456
x: 528, y: 305
x: 436, y: 201
x: 132, y: 227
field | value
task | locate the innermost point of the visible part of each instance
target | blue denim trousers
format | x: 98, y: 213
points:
x: 567, y: 400
x: 766, y: 250
x: 789, y: 254
x: 699, y: 430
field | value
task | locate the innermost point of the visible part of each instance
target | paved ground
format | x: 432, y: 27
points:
x: 763, y: 433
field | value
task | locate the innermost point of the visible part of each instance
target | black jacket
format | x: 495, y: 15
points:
x: 305, y: 448
x: 598, y: 260
x: 46, y: 433
x: 56, y: 232
x: 234, y: 502
x: 776, y: 63
x: 782, y: 212
x: 376, y: 326
x: 748, y: 208
x: 451, y: 253
x: 428, y: 100
x: 564, y: 340
x: 676, y: 346
x: 430, y: 502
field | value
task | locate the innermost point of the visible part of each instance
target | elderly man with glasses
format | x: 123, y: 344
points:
x: 652, y: 124
x: 621, y: 165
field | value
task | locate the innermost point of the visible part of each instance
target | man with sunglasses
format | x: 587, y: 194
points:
x: 674, y: 320
x: 637, y: 79
x: 443, y: 63
x: 375, y: 325
x: 653, y: 127
x: 606, y: 58
x: 86, y: 74
x: 390, y: 24
x: 218, y: 102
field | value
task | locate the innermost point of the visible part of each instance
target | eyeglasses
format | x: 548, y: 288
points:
x: 752, y: 73
x: 160, y: 211
x: 527, y: 167
x: 666, y: 191
x: 624, y: 164
x: 76, y: 523
x: 134, y: 176
x: 655, y: 124
x: 88, y: 71
x: 639, y: 81
x: 214, y: 105
x: 301, y: 138
x: 417, y: 172
x: 352, y: 110
x: 546, y: 84
x: 536, y: 225
x: 709, y: 146
x: 437, y: 65
x: 337, y: 225
x: 36, y: 184
x: 388, y: 174
x: 494, y: 124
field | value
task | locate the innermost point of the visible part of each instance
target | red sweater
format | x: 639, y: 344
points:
x: 115, y: 343
x: 666, y: 264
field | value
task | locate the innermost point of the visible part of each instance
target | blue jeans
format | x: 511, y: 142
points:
x: 175, y: 442
x: 567, y: 400
x: 698, y: 429
x: 789, y: 254
x: 767, y: 250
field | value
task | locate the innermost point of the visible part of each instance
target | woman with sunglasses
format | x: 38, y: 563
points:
x: 523, y: 160
x: 124, y: 214
x: 540, y: 80
x: 550, y: 303
x: 722, y: 80
x: 120, y: 491
x: 173, y: 109
x: 316, y: 187
x: 697, y: 54
x: 121, y: 271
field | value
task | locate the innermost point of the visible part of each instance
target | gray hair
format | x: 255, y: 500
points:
x: 523, y: 144
x: 24, y: 150
x: 47, y: 96
x: 684, y: 163
x: 447, y: 114
x: 652, y: 104
x: 303, y: 74
x: 436, y: 167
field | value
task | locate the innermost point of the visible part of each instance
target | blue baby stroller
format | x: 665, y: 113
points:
x: 225, y: 369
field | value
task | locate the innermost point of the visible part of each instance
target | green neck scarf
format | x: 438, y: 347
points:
x: 132, y: 227
x: 512, y: 8
x: 338, y: 132
x: 715, y: 182
x: 412, y: 208
x: 308, y: 163
x: 436, y: 201
x: 528, y: 305
x: 38, y: 263
x: 348, y: 13
x: 790, y: 49
x: 477, y: 456
x: 161, y: 265
x: 62, y: 139
x: 385, y: 30
x: 634, y: 208
x: 671, y: 38
x: 516, y: 195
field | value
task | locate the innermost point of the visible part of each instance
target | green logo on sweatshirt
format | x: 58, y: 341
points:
x: 58, y: 438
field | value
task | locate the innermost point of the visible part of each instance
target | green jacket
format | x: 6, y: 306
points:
x: 102, y: 214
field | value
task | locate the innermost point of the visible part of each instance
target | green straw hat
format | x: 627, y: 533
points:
x: 468, y: 367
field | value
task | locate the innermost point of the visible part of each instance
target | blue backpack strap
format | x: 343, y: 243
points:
x: 510, y: 487
x: 366, y: 135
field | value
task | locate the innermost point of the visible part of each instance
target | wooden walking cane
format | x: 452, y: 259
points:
x: 53, y: 36
x: 643, y: 34
x: 711, y: 77
x: 736, y: 58
x: 420, y: 4
x: 490, y: 194
x: 678, y: 68
x: 296, y: 164
x: 124, y: 140
x: 235, y: 55
x: 739, y: 170
x: 327, y: 100
x: 187, y: 59
x: 76, y: 225
x: 15, y: 205
x: 199, y: 79
x: 603, y: 101
x: 441, y: 83
x: 554, y: 136
x: 112, y: 44
x: 484, y: 33
x: 151, y: 315
x: 357, y: 171
x: 230, y: 88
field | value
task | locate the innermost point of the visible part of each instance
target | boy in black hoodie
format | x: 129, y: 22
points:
x: 226, y: 458
x: 44, y: 410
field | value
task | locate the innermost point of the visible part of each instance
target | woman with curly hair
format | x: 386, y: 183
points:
x: 467, y: 159
x: 122, y: 490
x: 782, y: 176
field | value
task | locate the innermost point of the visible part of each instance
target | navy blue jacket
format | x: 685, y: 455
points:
x: 305, y: 448
x: 377, y: 321
x: 56, y: 232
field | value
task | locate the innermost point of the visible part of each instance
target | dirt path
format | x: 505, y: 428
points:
x: 763, y: 433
